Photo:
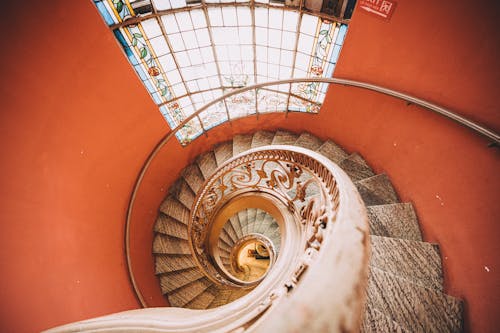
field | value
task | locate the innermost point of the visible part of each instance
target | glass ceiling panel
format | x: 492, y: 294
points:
x: 188, y: 53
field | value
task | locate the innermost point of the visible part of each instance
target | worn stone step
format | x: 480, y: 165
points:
x: 170, y: 245
x: 224, y: 247
x: 332, y: 151
x: 252, y: 216
x: 235, y: 223
x: 241, y: 143
x: 377, y: 190
x: 413, y: 307
x: 260, y: 216
x: 182, y: 192
x: 226, y: 238
x: 418, y: 262
x: 284, y: 138
x: 193, y: 177
x: 202, y: 301
x: 173, y: 208
x: 262, y: 138
x: 374, y: 321
x: 185, y: 294
x: 221, y: 297
x: 243, y: 217
x: 229, y: 230
x: 394, y: 220
x: 207, y: 164
x: 165, y: 263
x: 177, y: 279
x: 356, y: 167
x: 237, y: 293
x: 170, y: 226
x: 309, y: 141
x: 266, y: 222
x: 223, y: 152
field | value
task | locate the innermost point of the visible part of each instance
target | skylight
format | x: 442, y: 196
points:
x: 190, y: 53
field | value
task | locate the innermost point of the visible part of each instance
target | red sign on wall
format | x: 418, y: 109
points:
x: 379, y: 8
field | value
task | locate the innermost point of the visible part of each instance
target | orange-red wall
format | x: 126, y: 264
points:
x: 73, y: 146
x: 75, y: 127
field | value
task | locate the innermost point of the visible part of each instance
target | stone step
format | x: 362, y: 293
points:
x: 177, y: 279
x: 237, y: 293
x: 164, y: 244
x: 266, y: 222
x: 261, y: 215
x: 173, y: 208
x: 241, y: 142
x: 309, y: 141
x: 356, y: 167
x: 229, y: 230
x: 252, y: 216
x: 202, y: 301
x: 235, y: 222
x: 182, y: 192
x: 223, y: 152
x: 262, y: 138
x: 374, y: 321
x: 207, y: 164
x: 193, y: 177
x: 243, y: 217
x: 332, y: 151
x: 183, y: 295
x: 394, y: 220
x: 165, y: 263
x: 377, y: 190
x: 415, y: 261
x: 224, y: 247
x: 226, y: 238
x: 221, y: 297
x: 284, y: 138
x: 413, y: 307
x: 170, y: 226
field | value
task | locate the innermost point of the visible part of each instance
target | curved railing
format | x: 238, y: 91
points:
x: 490, y: 134
x: 326, y: 248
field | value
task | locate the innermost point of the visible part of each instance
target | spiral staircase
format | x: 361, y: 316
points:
x: 404, y: 292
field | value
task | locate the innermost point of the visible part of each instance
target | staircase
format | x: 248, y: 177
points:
x: 405, y: 287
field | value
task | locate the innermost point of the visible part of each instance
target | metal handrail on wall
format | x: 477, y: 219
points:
x: 488, y: 133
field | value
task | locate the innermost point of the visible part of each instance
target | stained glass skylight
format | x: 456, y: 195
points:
x: 188, y: 53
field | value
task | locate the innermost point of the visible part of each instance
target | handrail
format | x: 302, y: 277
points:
x: 346, y: 82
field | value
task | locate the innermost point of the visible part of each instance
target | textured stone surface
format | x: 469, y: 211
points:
x: 332, y: 151
x: 177, y: 279
x: 170, y: 245
x: 394, y: 220
x: 173, y: 208
x: 169, y: 226
x: 252, y: 216
x: 192, y: 175
x: 243, y: 217
x: 207, y: 164
x: 235, y: 222
x: 309, y: 141
x: 261, y: 215
x: 375, y: 321
x: 226, y: 238
x: 356, y: 167
x: 266, y: 222
x: 187, y: 293
x: 284, y: 138
x: 262, y: 138
x: 223, y: 152
x: 221, y: 298
x: 241, y: 143
x: 228, y: 228
x: 413, y: 307
x: 377, y: 190
x: 202, y: 301
x: 183, y: 193
x: 415, y: 261
x: 224, y: 247
x: 171, y: 263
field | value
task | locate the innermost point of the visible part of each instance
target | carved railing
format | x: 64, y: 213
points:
x: 323, y: 264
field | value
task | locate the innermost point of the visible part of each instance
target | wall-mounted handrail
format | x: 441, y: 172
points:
x: 490, y: 134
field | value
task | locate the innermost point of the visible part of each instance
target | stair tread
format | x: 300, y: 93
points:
x: 284, y: 138
x: 377, y: 190
x: 223, y: 152
x: 193, y: 177
x: 177, y: 279
x: 394, y: 220
x: 165, y: 263
x: 243, y: 217
x: 185, y: 294
x: 332, y: 151
x: 170, y: 226
x: 221, y: 298
x: 413, y: 306
x: 235, y: 222
x: 418, y: 262
x: 182, y: 192
x: 262, y: 138
x: 175, y: 209
x: 202, y: 301
x: 309, y: 141
x: 241, y: 143
x: 170, y: 245
x: 356, y: 167
x: 228, y: 228
x: 374, y: 321
x: 207, y: 164
x: 226, y: 238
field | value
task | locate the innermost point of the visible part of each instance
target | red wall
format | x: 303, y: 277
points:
x: 75, y: 127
